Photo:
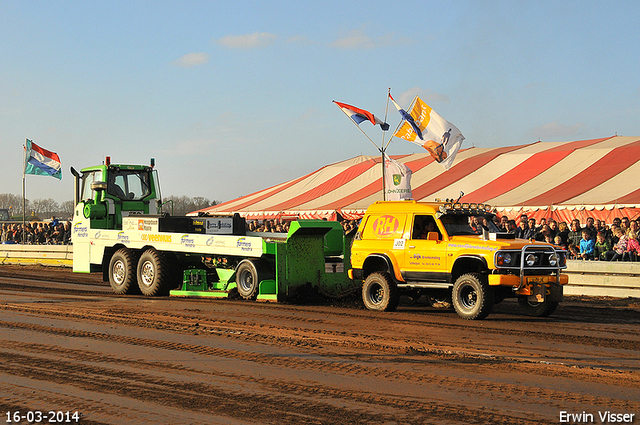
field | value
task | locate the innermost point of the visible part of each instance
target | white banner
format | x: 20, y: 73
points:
x: 397, y: 180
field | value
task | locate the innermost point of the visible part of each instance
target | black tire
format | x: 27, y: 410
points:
x: 537, y: 309
x: 122, y: 272
x: 380, y: 292
x: 153, y: 274
x: 248, y: 279
x: 472, y: 297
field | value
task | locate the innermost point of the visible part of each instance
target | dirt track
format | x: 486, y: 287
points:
x: 68, y: 344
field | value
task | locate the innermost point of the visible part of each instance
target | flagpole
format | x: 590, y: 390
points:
x: 384, y: 189
x: 24, y: 189
x: 356, y: 124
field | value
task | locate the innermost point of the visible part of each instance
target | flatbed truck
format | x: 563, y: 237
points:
x: 119, y: 229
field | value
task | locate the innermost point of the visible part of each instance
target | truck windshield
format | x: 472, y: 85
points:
x: 4, y: 215
x: 87, y: 179
x: 463, y: 224
x: 129, y: 185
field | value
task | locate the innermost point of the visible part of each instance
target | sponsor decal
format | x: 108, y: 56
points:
x: 188, y: 240
x: 151, y: 237
x: 81, y: 230
x: 424, y: 260
x: 470, y: 246
x: 219, y: 224
x: 244, y: 244
x: 122, y: 237
x: 385, y: 225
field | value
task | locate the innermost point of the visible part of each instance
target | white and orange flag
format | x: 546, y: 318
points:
x: 424, y: 127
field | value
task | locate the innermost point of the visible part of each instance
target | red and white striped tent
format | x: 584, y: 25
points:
x: 598, y: 178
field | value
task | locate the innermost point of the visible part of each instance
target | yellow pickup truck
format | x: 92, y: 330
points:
x: 453, y: 253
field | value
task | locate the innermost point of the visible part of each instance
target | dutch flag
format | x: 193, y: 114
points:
x: 41, y: 161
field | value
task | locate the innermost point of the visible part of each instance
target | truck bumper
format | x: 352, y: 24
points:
x: 513, y: 280
x: 535, y: 288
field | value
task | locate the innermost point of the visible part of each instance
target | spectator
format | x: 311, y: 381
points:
x: 511, y: 226
x: 633, y: 227
x: 574, y: 237
x: 541, y: 224
x: 625, y: 224
x: 543, y: 234
x: 614, y: 234
x: 524, y: 231
x: 601, y: 247
x: 563, y: 232
x: 586, y: 245
x: 559, y: 242
x: 503, y: 224
x: 591, y: 227
x: 632, y: 246
x: 553, y: 227
x: 5, y: 233
x: 619, y: 248
x: 532, y: 225
x: 616, y: 222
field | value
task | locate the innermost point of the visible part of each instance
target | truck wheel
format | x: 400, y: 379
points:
x: 247, y: 280
x: 122, y: 275
x: 153, y: 273
x: 537, y: 309
x: 472, y: 297
x: 379, y: 292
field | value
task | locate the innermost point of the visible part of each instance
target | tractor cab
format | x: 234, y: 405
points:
x: 106, y: 193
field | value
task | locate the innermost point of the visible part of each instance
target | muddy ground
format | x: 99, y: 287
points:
x: 67, y: 344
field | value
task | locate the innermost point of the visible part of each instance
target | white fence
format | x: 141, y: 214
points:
x: 591, y: 278
x: 48, y: 255
x: 603, y: 278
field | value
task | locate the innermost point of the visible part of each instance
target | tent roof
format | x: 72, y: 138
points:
x: 588, y: 172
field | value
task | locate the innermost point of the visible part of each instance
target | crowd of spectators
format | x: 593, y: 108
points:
x: 595, y: 240
x: 274, y: 226
x: 37, y: 233
x: 280, y: 226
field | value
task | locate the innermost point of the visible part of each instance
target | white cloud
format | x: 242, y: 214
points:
x: 248, y: 41
x: 192, y: 59
x: 359, y: 40
x: 557, y: 129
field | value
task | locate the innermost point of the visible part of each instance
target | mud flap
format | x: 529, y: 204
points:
x: 541, y: 292
x: 538, y: 293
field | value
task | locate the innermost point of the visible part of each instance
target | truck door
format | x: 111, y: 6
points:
x: 425, y: 252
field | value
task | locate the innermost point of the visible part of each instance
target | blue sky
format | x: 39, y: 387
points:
x: 234, y: 97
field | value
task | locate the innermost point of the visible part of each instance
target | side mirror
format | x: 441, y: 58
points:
x: 99, y: 186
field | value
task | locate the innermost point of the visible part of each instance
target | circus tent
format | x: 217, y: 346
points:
x: 598, y: 178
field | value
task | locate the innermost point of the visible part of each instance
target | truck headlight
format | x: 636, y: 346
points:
x: 553, y: 260
x: 504, y: 258
x: 531, y: 260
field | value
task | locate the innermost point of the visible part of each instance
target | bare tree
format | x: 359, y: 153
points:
x: 42, y: 206
x: 66, y: 208
x: 183, y: 205
x: 8, y: 200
